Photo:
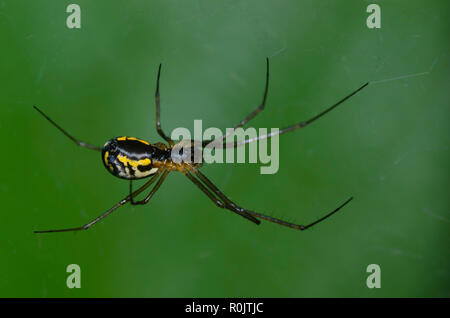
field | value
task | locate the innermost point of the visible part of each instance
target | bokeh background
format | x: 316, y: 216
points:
x: 388, y: 147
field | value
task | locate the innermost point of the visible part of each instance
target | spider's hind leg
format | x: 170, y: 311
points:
x: 152, y: 192
x: 78, y: 142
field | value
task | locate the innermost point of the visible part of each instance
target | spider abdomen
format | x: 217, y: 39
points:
x: 132, y: 158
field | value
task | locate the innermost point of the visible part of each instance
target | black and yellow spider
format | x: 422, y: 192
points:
x: 132, y: 158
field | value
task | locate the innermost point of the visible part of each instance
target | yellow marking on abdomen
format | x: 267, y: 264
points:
x: 133, y: 138
x: 110, y: 166
x: 143, y: 141
x: 134, y: 163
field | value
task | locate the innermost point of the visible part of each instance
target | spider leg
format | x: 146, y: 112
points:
x: 261, y: 106
x: 252, y: 114
x: 108, y: 212
x: 293, y: 127
x: 297, y: 226
x: 229, y: 204
x: 152, y: 192
x: 157, y: 101
x: 78, y: 142
x: 220, y: 204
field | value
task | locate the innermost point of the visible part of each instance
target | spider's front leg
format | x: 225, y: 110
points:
x: 224, y: 204
x: 157, y: 102
x: 230, y: 205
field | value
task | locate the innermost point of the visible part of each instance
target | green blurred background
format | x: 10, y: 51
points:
x: 387, y: 146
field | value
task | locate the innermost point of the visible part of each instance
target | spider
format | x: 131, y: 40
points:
x: 132, y: 158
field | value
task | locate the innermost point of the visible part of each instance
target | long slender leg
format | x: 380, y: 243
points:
x: 78, y: 142
x: 297, y: 226
x: 252, y: 114
x: 293, y: 127
x: 263, y: 216
x: 211, y: 185
x: 263, y: 103
x: 152, y: 179
x: 157, y: 101
x: 152, y: 192
x: 219, y: 193
x: 105, y: 214
x: 219, y: 203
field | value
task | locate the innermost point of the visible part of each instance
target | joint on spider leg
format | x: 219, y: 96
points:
x: 233, y: 206
x: 237, y: 209
x: 132, y: 200
x: 220, y: 204
x: 123, y: 201
x: 138, y: 202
